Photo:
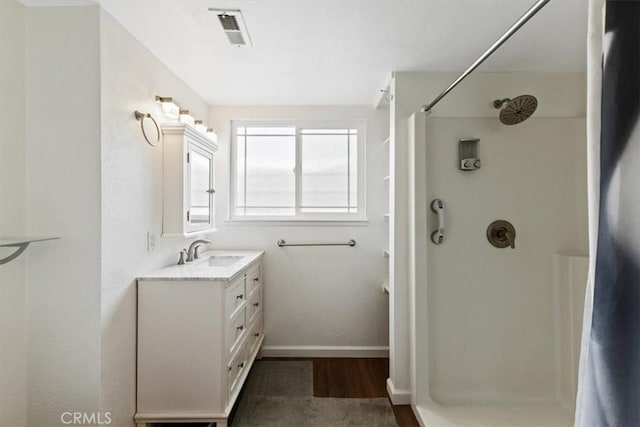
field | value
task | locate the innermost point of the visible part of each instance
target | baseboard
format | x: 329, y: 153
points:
x: 398, y: 397
x: 324, y: 351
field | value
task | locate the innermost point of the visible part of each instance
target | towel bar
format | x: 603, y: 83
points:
x: 351, y: 243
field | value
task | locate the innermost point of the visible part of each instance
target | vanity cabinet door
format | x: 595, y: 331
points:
x: 200, y: 191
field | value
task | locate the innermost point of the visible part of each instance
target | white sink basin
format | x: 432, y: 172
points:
x: 223, y: 260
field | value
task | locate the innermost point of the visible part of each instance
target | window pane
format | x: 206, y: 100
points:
x: 271, y: 131
x: 267, y: 182
x: 353, y: 174
x: 326, y: 173
x: 328, y: 131
x: 325, y: 210
x: 270, y: 211
x: 240, y: 175
x: 269, y: 178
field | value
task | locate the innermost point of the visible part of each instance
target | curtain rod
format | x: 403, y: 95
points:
x: 511, y: 31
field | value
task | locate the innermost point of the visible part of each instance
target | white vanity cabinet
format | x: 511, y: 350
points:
x: 197, y: 341
x: 188, y: 181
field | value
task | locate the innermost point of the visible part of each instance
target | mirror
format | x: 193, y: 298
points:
x: 201, y: 193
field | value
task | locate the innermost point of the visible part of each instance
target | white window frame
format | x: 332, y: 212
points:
x: 301, y: 217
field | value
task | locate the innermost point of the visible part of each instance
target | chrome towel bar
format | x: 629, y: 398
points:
x: 282, y: 243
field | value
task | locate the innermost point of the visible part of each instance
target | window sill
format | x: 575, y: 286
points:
x: 359, y: 222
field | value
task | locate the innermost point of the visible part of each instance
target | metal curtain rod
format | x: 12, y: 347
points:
x: 511, y: 31
x: 351, y: 243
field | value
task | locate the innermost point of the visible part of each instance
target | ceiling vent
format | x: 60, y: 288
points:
x: 233, y: 26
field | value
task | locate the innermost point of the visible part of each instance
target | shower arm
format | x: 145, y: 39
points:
x: 511, y: 31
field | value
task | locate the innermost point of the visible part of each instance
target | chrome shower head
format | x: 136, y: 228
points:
x: 516, y: 110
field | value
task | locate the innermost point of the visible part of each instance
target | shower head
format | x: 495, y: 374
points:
x: 516, y: 110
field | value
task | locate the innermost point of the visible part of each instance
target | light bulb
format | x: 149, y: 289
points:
x: 212, y: 135
x: 185, y: 117
x: 199, y: 125
x: 170, y: 106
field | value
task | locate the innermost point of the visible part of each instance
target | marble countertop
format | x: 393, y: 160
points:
x: 201, y: 270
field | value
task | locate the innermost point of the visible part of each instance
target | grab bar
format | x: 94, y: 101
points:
x: 282, y: 243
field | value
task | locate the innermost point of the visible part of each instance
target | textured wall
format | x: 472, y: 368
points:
x: 131, y: 201
x: 317, y: 296
x: 12, y: 221
x: 63, y: 198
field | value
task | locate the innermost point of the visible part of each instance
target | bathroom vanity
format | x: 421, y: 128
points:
x: 200, y: 328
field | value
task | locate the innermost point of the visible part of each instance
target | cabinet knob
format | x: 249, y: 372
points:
x: 230, y: 368
x: 256, y: 304
x: 257, y: 334
x: 240, y: 296
x: 211, y: 191
x: 241, y: 365
x: 241, y: 327
x: 256, y: 279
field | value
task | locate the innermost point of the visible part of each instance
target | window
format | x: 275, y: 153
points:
x: 298, y: 170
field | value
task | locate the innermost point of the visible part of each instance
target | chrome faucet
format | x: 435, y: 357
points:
x: 183, y: 253
x: 192, y: 253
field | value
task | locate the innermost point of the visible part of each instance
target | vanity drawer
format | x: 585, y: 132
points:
x: 255, y: 334
x: 253, y: 278
x: 235, y: 369
x: 254, y: 303
x: 235, y: 331
x: 234, y: 297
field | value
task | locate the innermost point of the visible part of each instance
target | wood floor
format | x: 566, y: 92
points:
x: 355, y: 378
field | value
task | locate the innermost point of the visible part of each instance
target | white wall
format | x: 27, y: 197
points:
x: 13, y: 354
x: 559, y: 95
x: 319, y: 296
x: 63, y: 198
x: 131, y: 189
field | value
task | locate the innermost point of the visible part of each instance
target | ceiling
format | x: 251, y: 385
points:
x: 340, y: 52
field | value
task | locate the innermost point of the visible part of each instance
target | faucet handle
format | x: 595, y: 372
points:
x: 183, y: 252
x: 510, y: 238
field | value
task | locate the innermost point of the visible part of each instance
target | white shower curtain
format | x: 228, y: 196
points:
x: 609, y: 378
x: 594, y: 92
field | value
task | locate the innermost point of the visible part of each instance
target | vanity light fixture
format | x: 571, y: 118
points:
x: 212, y: 135
x: 170, y: 106
x: 199, y: 125
x: 185, y: 117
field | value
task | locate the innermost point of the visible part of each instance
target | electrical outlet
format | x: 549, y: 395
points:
x: 151, y: 241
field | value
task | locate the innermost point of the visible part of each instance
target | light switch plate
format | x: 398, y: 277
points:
x: 151, y: 241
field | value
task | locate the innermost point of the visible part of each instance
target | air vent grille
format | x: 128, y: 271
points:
x: 235, y: 37
x: 228, y: 22
x: 233, y: 26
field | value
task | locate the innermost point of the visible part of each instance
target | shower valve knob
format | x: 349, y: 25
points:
x: 502, y: 234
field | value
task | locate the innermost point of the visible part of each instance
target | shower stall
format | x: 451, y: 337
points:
x: 495, y: 312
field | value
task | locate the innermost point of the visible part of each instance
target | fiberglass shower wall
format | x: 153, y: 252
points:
x: 491, y: 312
x: 492, y: 326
